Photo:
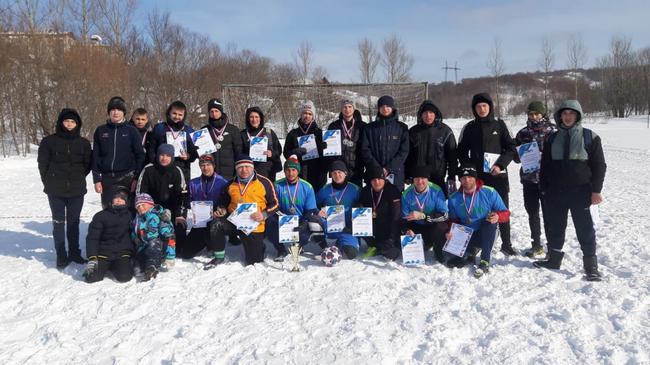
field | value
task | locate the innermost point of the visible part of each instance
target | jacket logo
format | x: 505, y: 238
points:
x: 495, y: 133
x: 170, y: 186
x: 104, y: 135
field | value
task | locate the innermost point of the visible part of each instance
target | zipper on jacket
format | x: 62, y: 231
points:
x: 114, y: 151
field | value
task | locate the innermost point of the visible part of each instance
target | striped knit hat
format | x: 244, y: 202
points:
x: 244, y: 160
x: 143, y: 198
x: 292, y: 163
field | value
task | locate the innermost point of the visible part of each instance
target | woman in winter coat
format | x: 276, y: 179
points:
x: 63, y: 162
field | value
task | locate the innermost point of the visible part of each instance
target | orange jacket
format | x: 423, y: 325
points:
x: 260, y: 191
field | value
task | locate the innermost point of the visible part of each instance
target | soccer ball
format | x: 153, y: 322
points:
x: 330, y: 256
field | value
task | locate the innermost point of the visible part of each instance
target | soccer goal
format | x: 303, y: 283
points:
x: 280, y: 103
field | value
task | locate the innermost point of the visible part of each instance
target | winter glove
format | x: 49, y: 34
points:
x: 91, y: 267
x: 451, y: 187
x: 165, y: 216
x: 323, y: 145
x: 181, y: 221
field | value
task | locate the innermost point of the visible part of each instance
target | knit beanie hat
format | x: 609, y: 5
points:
x: 386, y: 100
x: 536, y: 107
x: 244, y: 160
x: 143, y: 198
x: 116, y: 102
x: 338, y: 165
x: 215, y: 103
x: 374, y: 172
x: 467, y: 170
x: 206, y: 159
x: 292, y: 163
x: 165, y: 149
x: 308, y: 105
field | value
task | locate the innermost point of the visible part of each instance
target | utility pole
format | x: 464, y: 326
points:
x: 455, y: 68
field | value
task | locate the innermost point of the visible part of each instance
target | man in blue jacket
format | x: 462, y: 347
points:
x: 117, y: 152
x: 385, y: 142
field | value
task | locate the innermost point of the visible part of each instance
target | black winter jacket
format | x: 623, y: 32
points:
x: 387, y: 224
x: 350, y: 154
x: 273, y: 165
x: 64, y: 161
x: 432, y: 145
x: 385, y: 143
x: 315, y: 170
x: 167, y: 187
x: 486, y: 135
x: 109, y: 234
x: 117, y: 150
x: 231, y: 146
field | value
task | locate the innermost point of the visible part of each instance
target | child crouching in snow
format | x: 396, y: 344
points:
x: 153, y: 236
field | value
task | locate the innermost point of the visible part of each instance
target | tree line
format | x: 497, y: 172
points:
x: 79, y: 53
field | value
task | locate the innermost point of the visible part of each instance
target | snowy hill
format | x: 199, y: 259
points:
x: 361, y: 311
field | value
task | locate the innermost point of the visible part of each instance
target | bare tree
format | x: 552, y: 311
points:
x: 576, y: 57
x: 303, y: 58
x: 618, y: 80
x: 115, y: 20
x: 320, y: 75
x: 396, y: 60
x: 496, y: 67
x: 546, y: 63
x: 84, y: 15
x: 368, y: 60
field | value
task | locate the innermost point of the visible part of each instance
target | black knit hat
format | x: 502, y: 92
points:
x: 374, y: 172
x: 338, y: 165
x: 421, y: 171
x: 120, y: 192
x: 116, y: 102
x: 215, y: 103
x: 386, y: 100
x: 467, y: 170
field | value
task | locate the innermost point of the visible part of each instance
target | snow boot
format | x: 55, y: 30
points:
x: 62, y: 261
x: 150, y: 273
x: 535, y: 251
x: 213, y: 263
x: 281, y: 255
x: 77, y: 258
x: 554, y: 260
x: 350, y: 252
x: 482, y: 269
x: 320, y: 240
x: 457, y: 262
x: 508, y: 250
x: 591, y: 268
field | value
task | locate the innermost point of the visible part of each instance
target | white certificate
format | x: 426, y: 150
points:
x: 460, y: 236
x: 286, y: 226
x: 203, y: 142
x: 259, y: 146
x: 241, y: 217
x: 412, y: 250
x: 201, y: 213
x: 179, y: 141
x: 308, y: 142
x: 362, y: 222
x: 530, y: 157
x: 488, y: 161
x: 333, y: 140
x: 335, y: 218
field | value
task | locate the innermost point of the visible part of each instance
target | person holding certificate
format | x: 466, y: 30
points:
x: 296, y: 197
x: 480, y: 208
x: 424, y: 211
x: 481, y: 140
x: 537, y: 129
x: 205, y: 196
x: 385, y: 200
x: 247, y: 187
x: 272, y: 150
x: 351, y: 126
x: 226, y: 138
x: 337, y: 199
x: 313, y: 170
x: 176, y: 132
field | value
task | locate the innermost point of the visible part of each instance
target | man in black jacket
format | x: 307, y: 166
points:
x: 481, y: 140
x: 226, y: 138
x: 313, y: 170
x: 108, y: 244
x: 432, y: 143
x: 64, y: 162
x: 117, y: 152
x: 385, y: 200
x: 175, y: 130
x: 571, y: 179
x: 351, y: 126
x: 140, y: 121
x: 385, y: 142
x: 255, y: 128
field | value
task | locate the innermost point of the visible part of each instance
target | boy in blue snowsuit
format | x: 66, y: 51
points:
x: 296, y: 197
x: 479, y: 207
x: 153, y: 235
x: 340, y: 192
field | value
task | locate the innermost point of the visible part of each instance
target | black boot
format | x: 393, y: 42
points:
x: 62, y: 261
x: 350, y: 252
x: 591, y: 268
x: 553, y: 262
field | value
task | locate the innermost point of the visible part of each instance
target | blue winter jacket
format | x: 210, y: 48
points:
x: 486, y: 200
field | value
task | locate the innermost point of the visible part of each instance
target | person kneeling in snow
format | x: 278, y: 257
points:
x: 479, y: 207
x: 153, y: 236
x: 108, y: 243
x: 339, y: 193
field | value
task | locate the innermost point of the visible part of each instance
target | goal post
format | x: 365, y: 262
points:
x: 280, y: 102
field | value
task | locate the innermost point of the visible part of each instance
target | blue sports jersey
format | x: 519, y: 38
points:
x: 432, y: 201
x: 305, y: 199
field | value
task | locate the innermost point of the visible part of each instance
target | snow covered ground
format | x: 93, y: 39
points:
x: 361, y: 311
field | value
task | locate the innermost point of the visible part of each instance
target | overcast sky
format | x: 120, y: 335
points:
x: 434, y: 31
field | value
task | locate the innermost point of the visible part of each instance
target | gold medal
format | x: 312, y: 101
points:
x: 292, y: 210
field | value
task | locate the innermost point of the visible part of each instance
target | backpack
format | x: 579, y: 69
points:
x: 587, y: 136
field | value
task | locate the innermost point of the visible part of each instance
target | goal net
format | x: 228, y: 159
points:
x: 280, y: 103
